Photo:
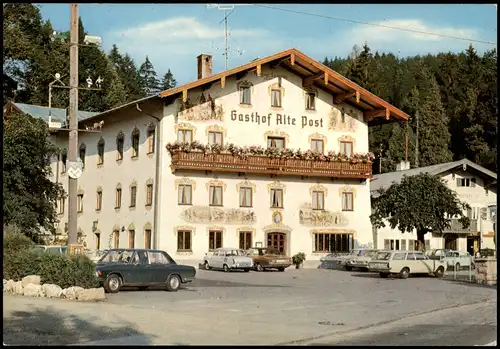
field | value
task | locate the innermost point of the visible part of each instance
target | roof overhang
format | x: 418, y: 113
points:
x: 313, y: 74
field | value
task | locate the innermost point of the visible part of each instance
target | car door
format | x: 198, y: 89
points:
x: 423, y: 264
x: 216, y: 259
x: 159, y: 266
x: 411, y: 262
x: 140, y: 268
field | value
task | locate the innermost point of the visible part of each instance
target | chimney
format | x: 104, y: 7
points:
x: 403, y: 166
x: 204, y: 66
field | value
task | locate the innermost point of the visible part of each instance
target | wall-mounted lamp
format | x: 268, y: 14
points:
x: 453, y: 176
x: 94, y: 225
x: 123, y: 228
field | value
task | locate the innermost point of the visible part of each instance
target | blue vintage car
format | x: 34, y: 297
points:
x: 141, y: 268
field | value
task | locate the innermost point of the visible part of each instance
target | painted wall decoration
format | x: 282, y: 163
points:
x: 204, y: 111
x: 246, y: 184
x: 318, y: 187
x: 185, y: 181
x: 277, y: 133
x: 207, y: 214
x: 310, y: 217
x: 216, y: 128
x: 337, y: 122
x: 276, y: 185
x: 345, y: 138
x: 216, y: 183
x: 347, y: 189
x: 318, y: 136
x: 185, y: 126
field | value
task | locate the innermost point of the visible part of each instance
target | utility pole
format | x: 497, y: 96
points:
x: 406, y: 142
x: 416, y: 142
x: 73, y: 126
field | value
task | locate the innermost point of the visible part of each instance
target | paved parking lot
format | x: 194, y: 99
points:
x: 296, y: 306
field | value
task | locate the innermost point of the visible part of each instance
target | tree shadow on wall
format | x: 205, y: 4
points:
x: 47, y: 327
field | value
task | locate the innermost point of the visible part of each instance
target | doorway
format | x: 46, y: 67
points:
x: 472, y: 244
x: 278, y: 241
x: 450, y: 242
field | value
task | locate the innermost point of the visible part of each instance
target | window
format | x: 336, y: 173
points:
x: 64, y: 159
x: 131, y: 238
x: 97, y: 241
x: 245, y: 240
x: 184, y: 194
x: 184, y: 240
x: 118, y: 198
x: 100, y: 152
x: 147, y: 239
x: 412, y: 245
x: 60, y: 204
x: 275, y: 98
x: 80, y: 203
x: 276, y: 142
x: 277, y: 198
x: 120, y: 140
x: 133, y: 196
x: 98, y: 206
x: 310, y: 101
x: 317, y: 145
x: 347, y: 201
x: 185, y: 136
x: 391, y: 244
x: 346, y: 148
x: 318, y: 198
x: 403, y: 245
x: 420, y: 256
x: 215, y: 138
x: 466, y: 182
x: 399, y: 256
x: 149, y: 194
x: 116, y: 239
x: 151, y: 139
x: 245, y: 95
x: 83, y: 150
x: 215, y: 195
x: 245, y: 197
x: 324, y: 242
x: 158, y: 258
x: 214, y: 239
x: 135, y: 143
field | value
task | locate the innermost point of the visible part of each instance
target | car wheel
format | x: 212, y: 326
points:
x: 348, y: 268
x: 457, y: 266
x: 207, y: 266
x: 439, y: 272
x: 112, y: 284
x: 258, y: 267
x: 226, y: 268
x: 143, y: 288
x: 404, y: 273
x: 173, y: 283
x: 281, y: 269
x: 383, y: 275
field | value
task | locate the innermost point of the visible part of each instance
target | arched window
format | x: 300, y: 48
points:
x: 82, y: 152
x: 98, y: 206
x: 100, y: 152
x: 151, y: 138
x: 120, y: 140
x: 64, y: 159
x: 135, y: 143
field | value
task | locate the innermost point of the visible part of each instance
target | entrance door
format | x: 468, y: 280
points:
x: 278, y: 241
x: 472, y: 245
x: 450, y: 242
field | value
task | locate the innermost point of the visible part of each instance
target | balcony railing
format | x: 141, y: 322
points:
x: 268, y: 165
x: 456, y: 227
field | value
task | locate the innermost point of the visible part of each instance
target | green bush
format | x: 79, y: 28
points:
x: 14, y: 241
x: 17, y: 265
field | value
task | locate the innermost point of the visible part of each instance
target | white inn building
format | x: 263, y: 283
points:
x: 271, y: 153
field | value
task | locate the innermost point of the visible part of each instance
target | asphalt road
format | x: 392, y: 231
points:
x: 306, y: 306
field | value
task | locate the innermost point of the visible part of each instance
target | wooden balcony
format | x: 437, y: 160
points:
x: 199, y: 161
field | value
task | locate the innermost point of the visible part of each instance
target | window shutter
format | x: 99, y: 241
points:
x: 387, y: 244
x: 459, y: 182
x: 473, y: 182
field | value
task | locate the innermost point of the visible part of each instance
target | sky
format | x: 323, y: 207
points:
x: 173, y: 35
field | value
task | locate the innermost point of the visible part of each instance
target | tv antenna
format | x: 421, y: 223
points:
x: 226, y: 8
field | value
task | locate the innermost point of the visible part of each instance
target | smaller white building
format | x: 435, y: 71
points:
x: 474, y: 184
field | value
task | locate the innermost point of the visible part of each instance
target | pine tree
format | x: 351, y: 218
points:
x: 149, y: 81
x: 115, y: 93
x: 168, y: 81
x: 128, y: 74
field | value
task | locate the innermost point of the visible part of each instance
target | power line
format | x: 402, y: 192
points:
x: 376, y: 25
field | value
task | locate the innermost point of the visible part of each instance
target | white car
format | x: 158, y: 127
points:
x: 458, y: 259
x: 228, y: 259
x: 405, y: 263
x: 361, y: 261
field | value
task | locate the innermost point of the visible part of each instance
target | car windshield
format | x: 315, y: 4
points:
x: 233, y: 253
x: 370, y: 254
x: 354, y: 253
x: 383, y: 256
x: 117, y: 256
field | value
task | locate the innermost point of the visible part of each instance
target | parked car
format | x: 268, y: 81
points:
x: 141, y: 268
x: 485, y: 252
x: 356, y: 253
x: 51, y: 249
x: 268, y: 258
x: 405, y: 263
x: 228, y: 259
x: 457, y: 259
x: 95, y: 255
x: 361, y: 262
x: 436, y: 253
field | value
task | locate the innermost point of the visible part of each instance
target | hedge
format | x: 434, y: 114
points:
x: 21, y: 260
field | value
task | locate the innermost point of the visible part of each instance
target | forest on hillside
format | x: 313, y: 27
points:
x: 453, y: 96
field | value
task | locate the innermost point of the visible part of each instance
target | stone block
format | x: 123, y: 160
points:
x: 32, y: 290
x: 31, y: 279
x: 18, y: 288
x: 70, y: 292
x: 9, y: 286
x: 91, y: 294
x: 52, y: 291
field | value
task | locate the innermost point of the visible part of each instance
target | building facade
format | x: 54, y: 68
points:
x: 272, y: 153
x: 473, y: 184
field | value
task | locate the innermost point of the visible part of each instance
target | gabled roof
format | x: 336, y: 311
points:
x: 313, y: 73
x: 385, y: 180
x: 58, y: 114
